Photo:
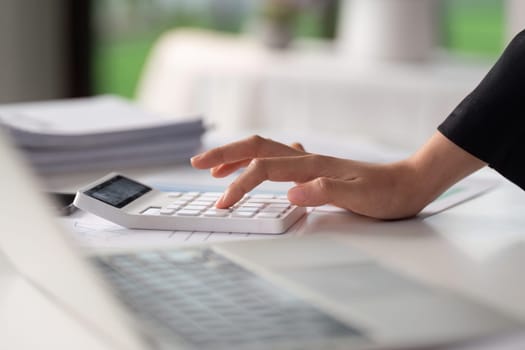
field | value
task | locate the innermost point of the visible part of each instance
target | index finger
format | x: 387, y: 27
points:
x: 252, y: 147
x: 295, y: 168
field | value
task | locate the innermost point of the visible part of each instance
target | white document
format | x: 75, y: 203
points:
x: 89, y: 122
x: 98, y: 133
x: 464, y: 190
x: 172, y: 151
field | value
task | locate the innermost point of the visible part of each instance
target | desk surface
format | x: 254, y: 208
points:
x: 476, y: 248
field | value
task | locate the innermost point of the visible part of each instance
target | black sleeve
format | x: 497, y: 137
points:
x: 490, y: 122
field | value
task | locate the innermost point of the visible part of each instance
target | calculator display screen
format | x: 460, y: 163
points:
x: 118, y: 191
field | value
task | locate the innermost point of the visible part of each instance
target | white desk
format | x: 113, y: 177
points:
x: 476, y: 249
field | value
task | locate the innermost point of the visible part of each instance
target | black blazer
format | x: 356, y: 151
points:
x: 490, y: 122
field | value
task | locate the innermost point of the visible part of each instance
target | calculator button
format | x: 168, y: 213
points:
x: 247, y: 209
x: 188, y: 212
x: 243, y: 214
x: 195, y: 207
x: 272, y: 210
x: 263, y: 196
x: 211, y: 194
x: 151, y: 211
x: 279, y: 205
x: 267, y: 201
x: 217, y: 213
x: 252, y: 205
x: 202, y: 202
x: 209, y: 199
x: 167, y: 211
x: 174, y: 194
x: 268, y: 215
x: 287, y: 209
x: 174, y: 206
x: 188, y: 197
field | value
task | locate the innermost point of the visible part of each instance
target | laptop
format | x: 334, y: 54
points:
x: 313, y: 292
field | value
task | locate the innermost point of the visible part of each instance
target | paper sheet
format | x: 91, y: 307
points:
x: 105, y: 132
x: 93, y: 115
x: 464, y: 190
x: 94, y: 232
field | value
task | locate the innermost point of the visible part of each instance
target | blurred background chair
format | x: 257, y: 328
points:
x: 312, y: 87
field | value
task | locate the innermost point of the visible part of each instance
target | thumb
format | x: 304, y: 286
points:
x: 297, y: 146
x: 320, y: 191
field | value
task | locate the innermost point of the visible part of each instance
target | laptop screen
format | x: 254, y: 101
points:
x: 40, y: 251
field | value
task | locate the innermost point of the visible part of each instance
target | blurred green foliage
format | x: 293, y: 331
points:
x: 468, y: 26
x: 117, y: 65
x: 473, y: 26
x: 118, y: 60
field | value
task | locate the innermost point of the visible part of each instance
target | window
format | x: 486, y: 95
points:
x: 473, y: 26
x: 125, y: 30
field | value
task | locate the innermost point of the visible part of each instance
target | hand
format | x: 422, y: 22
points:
x: 381, y: 191
x: 384, y: 191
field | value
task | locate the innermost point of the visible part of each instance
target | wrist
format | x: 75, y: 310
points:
x: 411, y: 191
x: 438, y: 165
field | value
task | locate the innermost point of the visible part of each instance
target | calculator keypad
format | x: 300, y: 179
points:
x: 194, y: 204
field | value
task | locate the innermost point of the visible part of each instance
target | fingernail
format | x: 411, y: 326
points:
x: 220, y: 201
x: 196, y: 157
x: 297, y: 195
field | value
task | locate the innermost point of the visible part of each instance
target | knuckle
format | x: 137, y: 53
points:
x: 259, y: 165
x: 256, y: 162
x: 324, y: 184
x: 316, y: 159
x: 317, y: 163
x: 257, y: 143
x: 256, y: 139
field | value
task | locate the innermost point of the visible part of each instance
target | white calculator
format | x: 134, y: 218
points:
x: 132, y: 204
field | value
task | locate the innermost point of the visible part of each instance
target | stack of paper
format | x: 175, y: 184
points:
x: 98, y: 133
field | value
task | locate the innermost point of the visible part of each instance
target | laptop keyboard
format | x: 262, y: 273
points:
x: 208, y: 301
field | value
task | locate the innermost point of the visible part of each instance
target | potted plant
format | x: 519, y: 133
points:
x: 277, y: 22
